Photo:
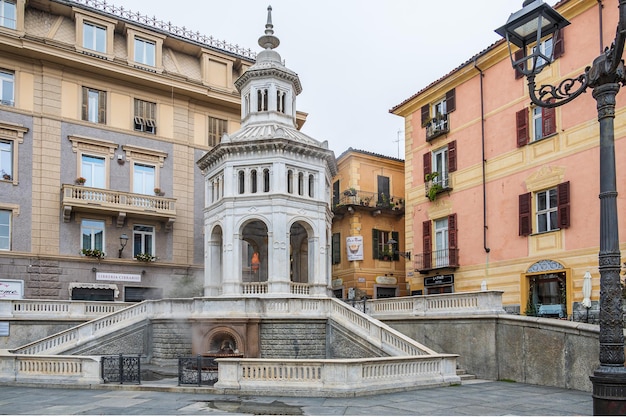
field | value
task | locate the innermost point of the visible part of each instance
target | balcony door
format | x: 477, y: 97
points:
x: 143, y: 179
x: 93, y: 170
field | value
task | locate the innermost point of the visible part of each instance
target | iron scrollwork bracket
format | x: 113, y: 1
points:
x: 553, y: 96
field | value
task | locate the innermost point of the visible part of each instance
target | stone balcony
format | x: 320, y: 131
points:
x: 78, y: 198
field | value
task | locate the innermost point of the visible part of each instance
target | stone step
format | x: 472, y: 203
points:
x: 462, y: 373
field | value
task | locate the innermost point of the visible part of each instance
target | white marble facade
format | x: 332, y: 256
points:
x: 267, y: 214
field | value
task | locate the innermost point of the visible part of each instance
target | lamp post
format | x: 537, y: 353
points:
x: 535, y: 21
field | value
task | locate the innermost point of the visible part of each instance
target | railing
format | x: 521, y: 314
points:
x: 437, y: 127
x: 443, y: 258
x: 68, y: 309
x: 51, y: 369
x: 369, y: 199
x: 299, y: 288
x: 122, y: 368
x: 250, y: 288
x: 78, y: 196
x: 456, y: 304
x: 197, y: 370
x: 188, y: 34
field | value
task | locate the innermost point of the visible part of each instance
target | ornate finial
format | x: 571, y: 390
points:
x: 269, y: 41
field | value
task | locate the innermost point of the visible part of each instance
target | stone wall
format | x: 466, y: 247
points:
x: 293, y: 339
x: 344, y: 345
x: 169, y: 340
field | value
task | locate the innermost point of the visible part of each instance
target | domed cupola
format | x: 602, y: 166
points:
x: 268, y: 88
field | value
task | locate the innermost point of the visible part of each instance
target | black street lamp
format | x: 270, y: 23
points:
x: 533, y: 22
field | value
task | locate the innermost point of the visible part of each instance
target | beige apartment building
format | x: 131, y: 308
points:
x: 103, y: 115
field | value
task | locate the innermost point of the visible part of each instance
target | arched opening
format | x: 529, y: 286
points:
x: 299, y: 253
x: 546, y: 290
x: 213, y: 264
x: 254, y: 252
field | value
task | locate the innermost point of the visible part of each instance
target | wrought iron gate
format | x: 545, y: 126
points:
x: 121, y: 369
x: 199, y: 370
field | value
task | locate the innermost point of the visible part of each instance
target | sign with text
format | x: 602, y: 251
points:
x: 354, y: 247
x: 110, y: 276
x: 11, y: 289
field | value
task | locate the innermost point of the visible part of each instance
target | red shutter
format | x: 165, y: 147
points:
x: 452, y: 240
x: 425, y: 115
x: 563, y: 206
x: 519, y: 55
x: 521, y: 124
x: 548, y: 117
x: 452, y: 156
x: 558, y: 44
x: 427, y: 244
x: 427, y: 165
x: 524, y: 215
x: 451, y: 101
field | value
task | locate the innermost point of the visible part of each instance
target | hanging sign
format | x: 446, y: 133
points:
x: 354, y: 247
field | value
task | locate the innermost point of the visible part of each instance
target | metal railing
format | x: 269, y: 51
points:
x: 437, y: 126
x: 442, y: 258
x: 121, y: 369
x: 369, y: 199
x: 199, y: 370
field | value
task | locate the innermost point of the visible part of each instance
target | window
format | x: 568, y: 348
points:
x: 94, y: 105
x: 336, y: 248
x: 7, y: 84
x: 143, y: 178
x: 8, y: 14
x: 543, y: 124
x: 552, y: 210
x: 382, y: 248
x: 266, y: 180
x: 241, y: 182
x: 145, y: 116
x: 6, y: 160
x: 93, y: 170
x: 545, y: 48
x: 383, y: 191
x: 262, y: 99
x: 335, y: 193
x: 143, y: 240
x: 145, y: 52
x: 553, y: 46
x: 445, y: 252
x: 437, y: 167
x: 435, y: 115
x: 311, y: 185
x: 253, y: 181
x: 290, y: 182
x: 92, y: 232
x: 217, y: 128
x: 5, y: 229
x: 94, y: 37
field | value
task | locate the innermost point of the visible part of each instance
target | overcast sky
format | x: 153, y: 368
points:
x: 356, y: 59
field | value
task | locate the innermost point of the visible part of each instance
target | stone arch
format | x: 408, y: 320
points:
x: 302, y: 251
x: 213, y: 270
x: 547, y: 289
x: 221, y: 338
x: 254, y: 234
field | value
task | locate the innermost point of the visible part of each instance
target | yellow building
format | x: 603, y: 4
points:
x: 368, y: 255
x: 103, y: 116
x: 504, y: 194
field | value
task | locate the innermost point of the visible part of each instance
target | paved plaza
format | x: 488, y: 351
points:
x: 474, y: 397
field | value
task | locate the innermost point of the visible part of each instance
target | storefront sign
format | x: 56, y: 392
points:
x: 386, y: 280
x: 11, y: 289
x: 354, y: 247
x: 438, y: 280
x: 337, y: 282
x: 110, y: 276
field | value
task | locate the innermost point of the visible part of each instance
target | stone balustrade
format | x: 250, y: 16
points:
x: 50, y: 369
x: 79, y: 310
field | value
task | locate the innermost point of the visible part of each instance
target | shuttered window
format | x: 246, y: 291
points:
x: 94, y: 105
x: 336, y: 248
x: 552, y: 210
x: 145, y: 116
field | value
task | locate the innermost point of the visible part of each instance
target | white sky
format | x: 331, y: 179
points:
x: 356, y: 59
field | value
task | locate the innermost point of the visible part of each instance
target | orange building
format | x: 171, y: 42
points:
x: 368, y: 257
x: 502, y: 194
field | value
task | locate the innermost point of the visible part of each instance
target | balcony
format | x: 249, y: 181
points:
x: 376, y: 203
x: 439, y: 259
x: 439, y: 183
x: 437, y: 126
x: 117, y: 203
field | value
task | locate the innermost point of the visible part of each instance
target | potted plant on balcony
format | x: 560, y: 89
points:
x: 94, y: 253
x: 350, y: 192
x: 157, y: 191
x: 145, y: 257
x: 5, y: 176
x: 434, y: 187
x: 80, y: 181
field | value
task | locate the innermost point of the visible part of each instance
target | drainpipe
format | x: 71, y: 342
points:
x: 600, y: 7
x: 482, y: 133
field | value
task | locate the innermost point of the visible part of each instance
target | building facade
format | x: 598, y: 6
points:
x: 103, y: 115
x: 504, y: 195
x: 368, y: 255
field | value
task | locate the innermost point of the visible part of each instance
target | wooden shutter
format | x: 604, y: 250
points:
x: 563, y: 206
x: 558, y: 44
x: 335, y: 193
x: 518, y: 69
x: 524, y: 215
x: 336, y: 249
x: 521, y: 125
x: 102, y: 102
x: 451, y: 101
x: 548, y: 119
x: 375, y: 253
x: 396, y: 246
x: 425, y: 115
x: 452, y: 156
x: 452, y: 240
x: 85, y: 111
x: 427, y: 164
x: 427, y: 241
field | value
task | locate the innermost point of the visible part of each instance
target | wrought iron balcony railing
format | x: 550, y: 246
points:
x: 437, y: 126
x: 442, y: 258
x: 368, y: 200
x: 119, y: 203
